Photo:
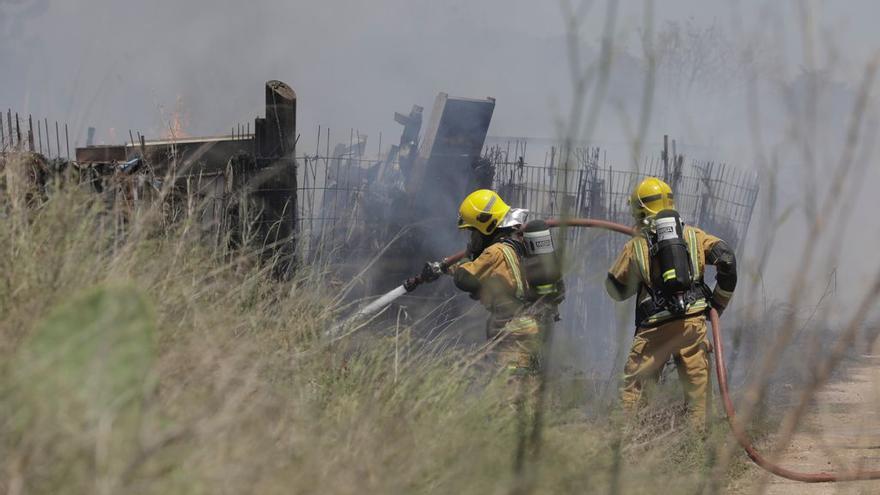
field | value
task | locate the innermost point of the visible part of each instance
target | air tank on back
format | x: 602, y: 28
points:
x: 541, y: 265
x: 673, y: 272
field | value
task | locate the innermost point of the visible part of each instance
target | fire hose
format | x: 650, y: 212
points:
x: 720, y: 369
x: 743, y: 439
x: 411, y: 283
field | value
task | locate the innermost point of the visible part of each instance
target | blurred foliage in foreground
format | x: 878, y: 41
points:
x: 153, y: 362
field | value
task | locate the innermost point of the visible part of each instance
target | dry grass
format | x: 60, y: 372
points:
x: 158, y: 362
x: 154, y: 363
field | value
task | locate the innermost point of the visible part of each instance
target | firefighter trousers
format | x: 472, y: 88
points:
x: 685, y: 341
x: 517, y: 345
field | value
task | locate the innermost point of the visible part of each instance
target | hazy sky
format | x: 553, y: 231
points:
x: 121, y: 64
x: 117, y: 63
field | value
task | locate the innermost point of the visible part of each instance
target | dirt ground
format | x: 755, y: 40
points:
x: 841, y: 432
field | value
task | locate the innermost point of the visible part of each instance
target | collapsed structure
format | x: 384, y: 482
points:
x: 343, y: 205
x: 242, y: 182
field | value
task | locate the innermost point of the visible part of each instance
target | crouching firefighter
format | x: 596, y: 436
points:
x: 514, y: 273
x: 663, y: 267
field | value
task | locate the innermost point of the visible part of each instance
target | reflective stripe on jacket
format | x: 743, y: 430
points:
x: 502, y: 284
x: 631, y: 272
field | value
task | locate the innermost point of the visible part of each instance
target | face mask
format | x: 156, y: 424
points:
x: 477, y: 243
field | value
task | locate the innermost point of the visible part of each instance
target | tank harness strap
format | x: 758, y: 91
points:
x: 513, y: 263
x: 642, y: 258
x: 664, y: 315
x: 693, y: 246
x: 698, y: 306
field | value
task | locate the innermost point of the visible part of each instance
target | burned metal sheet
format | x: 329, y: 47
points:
x: 443, y: 172
x: 453, y: 141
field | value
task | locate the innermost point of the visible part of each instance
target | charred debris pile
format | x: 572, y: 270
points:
x: 260, y: 186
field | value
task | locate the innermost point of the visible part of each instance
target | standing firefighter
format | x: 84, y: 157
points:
x: 663, y: 267
x: 501, y: 263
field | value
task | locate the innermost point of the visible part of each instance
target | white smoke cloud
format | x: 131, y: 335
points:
x: 125, y: 64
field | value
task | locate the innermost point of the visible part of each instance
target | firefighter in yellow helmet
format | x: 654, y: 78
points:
x: 493, y: 273
x: 663, y: 267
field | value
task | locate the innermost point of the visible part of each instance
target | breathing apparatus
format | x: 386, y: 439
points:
x: 672, y: 277
x: 673, y: 286
x: 720, y: 368
x: 541, y: 265
x: 534, y: 247
x: 478, y: 242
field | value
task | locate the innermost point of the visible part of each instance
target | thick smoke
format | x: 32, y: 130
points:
x: 119, y: 65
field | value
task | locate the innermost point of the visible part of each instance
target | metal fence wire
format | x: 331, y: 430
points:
x: 343, y: 198
x: 351, y: 205
x: 25, y: 133
x: 331, y: 197
x: 581, y: 183
x: 713, y: 196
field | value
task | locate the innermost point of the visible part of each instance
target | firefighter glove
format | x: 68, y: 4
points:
x: 432, y: 271
x: 718, y: 305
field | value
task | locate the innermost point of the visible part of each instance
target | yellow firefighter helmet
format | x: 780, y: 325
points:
x: 650, y: 197
x: 483, y: 210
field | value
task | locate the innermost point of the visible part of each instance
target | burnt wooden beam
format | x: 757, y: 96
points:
x: 279, y: 138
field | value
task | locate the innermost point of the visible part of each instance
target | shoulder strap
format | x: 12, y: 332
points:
x: 640, y: 248
x: 693, y: 247
x: 512, y: 260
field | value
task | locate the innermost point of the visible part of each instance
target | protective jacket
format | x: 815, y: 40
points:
x: 632, y: 274
x: 495, y: 278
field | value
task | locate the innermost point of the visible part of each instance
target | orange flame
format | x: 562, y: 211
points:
x: 178, y: 120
